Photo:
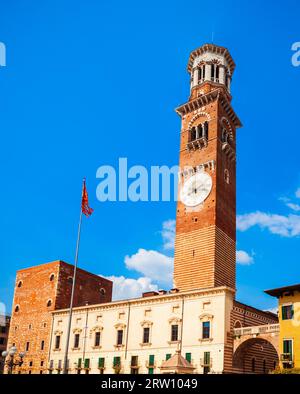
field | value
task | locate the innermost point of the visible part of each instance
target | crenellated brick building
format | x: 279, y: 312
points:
x: 38, y: 292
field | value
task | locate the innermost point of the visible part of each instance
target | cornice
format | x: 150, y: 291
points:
x: 159, y: 299
x: 206, y: 99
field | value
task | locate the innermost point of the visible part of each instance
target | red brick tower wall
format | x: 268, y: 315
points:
x: 39, y: 291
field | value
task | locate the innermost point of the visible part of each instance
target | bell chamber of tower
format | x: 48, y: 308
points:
x: 205, y: 249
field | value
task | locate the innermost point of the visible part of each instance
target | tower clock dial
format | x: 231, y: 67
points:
x: 196, y: 189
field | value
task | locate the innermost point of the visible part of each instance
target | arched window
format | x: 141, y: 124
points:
x: 212, y: 73
x: 49, y: 303
x: 193, y: 134
x: 17, y: 308
x: 226, y: 176
x: 51, y: 278
x: 253, y: 364
x: 237, y: 323
x: 217, y: 73
x: 20, y: 283
x: 102, y: 291
x: 206, y: 130
x: 264, y: 366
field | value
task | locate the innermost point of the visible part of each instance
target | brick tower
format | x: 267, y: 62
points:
x: 38, y: 292
x: 206, y: 210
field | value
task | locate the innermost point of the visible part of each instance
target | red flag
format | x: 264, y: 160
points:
x: 86, y: 210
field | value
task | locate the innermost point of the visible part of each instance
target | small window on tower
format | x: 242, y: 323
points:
x: 17, y: 308
x: 226, y: 176
x: 217, y: 73
x: 20, y: 283
x: 206, y: 130
x: 51, y: 278
x: 193, y: 134
x: 49, y: 303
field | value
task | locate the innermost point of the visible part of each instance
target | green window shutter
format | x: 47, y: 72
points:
x: 188, y: 357
x: 168, y: 356
x: 101, y: 362
x: 87, y: 363
x: 79, y: 362
x: 206, y: 358
x: 151, y: 371
x: 117, y: 361
x: 151, y: 359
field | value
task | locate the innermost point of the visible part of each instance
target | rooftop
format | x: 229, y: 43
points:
x: 280, y: 290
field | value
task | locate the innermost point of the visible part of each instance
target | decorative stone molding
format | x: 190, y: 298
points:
x: 198, y: 115
x: 77, y: 330
x: 120, y: 326
x: 96, y: 329
x: 173, y: 320
x: 146, y: 323
x: 58, y: 332
x: 206, y: 317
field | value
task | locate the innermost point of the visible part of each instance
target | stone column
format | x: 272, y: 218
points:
x: 207, y: 72
x: 196, y: 77
x: 222, y: 75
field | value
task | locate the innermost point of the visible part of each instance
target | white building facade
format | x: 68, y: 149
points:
x: 138, y: 335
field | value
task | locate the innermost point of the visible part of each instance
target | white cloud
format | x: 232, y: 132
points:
x: 243, y: 258
x: 151, y: 264
x: 286, y: 226
x: 273, y: 310
x: 125, y: 288
x: 168, y: 234
x: 298, y: 192
x: 294, y: 207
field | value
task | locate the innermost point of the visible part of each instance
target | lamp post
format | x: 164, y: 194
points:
x: 11, y: 362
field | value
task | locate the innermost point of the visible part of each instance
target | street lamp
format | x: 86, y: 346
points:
x: 11, y: 362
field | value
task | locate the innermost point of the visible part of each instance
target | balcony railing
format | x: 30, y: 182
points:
x: 199, y: 143
x: 256, y: 330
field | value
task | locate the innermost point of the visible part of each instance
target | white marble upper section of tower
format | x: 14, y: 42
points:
x: 211, y: 63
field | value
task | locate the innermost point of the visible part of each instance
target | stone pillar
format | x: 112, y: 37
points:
x: 222, y: 75
x: 207, y: 72
x: 196, y: 77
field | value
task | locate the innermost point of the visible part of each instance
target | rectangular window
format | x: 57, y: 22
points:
x: 168, y: 355
x: 188, y: 357
x: 120, y: 337
x: 42, y: 345
x: 86, y: 363
x: 101, y: 362
x: 79, y: 364
x: 2, y: 341
x: 287, y: 312
x: 288, y: 346
x: 134, y: 365
x: 76, y: 341
x: 206, y: 363
x: 117, y: 361
x: 151, y: 360
x: 174, y: 332
x: 97, y: 338
x: 57, y: 341
x: 205, y: 329
x: 134, y: 361
x: 151, y: 371
x: 146, y: 335
x: 59, y: 364
x: 27, y: 346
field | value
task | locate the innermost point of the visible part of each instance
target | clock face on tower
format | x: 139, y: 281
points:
x: 196, y: 189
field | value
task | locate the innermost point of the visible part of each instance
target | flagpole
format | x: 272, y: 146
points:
x: 65, y: 365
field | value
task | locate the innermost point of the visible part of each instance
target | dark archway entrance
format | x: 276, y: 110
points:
x: 255, y: 355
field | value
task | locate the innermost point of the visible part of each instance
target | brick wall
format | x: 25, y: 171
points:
x: 38, y: 292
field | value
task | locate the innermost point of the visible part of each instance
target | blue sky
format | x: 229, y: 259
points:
x: 87, y: 82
